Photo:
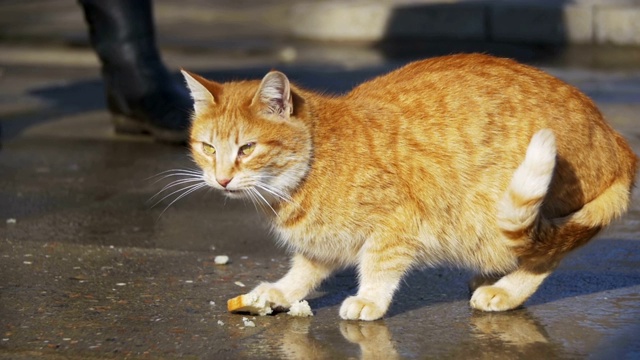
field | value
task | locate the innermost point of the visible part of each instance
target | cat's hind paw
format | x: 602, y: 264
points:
x: 492, y: 298
x: 358, y: 308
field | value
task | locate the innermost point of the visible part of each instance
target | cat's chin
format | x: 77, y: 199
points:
x: 234, y: 194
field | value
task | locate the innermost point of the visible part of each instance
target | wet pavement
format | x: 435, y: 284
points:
x: 90, y: 268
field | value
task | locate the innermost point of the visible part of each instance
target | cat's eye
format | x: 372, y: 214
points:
x: 247, y: 149
x: 208, y: 149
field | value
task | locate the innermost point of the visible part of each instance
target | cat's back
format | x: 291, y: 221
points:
x: 478, y: 93
x: 480, y: 110
x: 450, y: 74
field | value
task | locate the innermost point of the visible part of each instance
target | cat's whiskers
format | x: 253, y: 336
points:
x: 174, y: 172
x: 261, y: 200
x: 186, y: 191
x: 251, y: 198
x: 174, y: 184
x: 193, y: 179
x: 275, y: 192
x: 254, y: 200
x: 272, y: 190
x: 175, y: 192
x: 245, y: 186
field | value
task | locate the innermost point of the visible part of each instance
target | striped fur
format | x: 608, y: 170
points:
x: 466, y: 160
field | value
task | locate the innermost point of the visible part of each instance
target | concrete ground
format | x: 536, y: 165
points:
x: 90, y: 269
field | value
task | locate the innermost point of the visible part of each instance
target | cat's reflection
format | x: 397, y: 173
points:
x: 373, y: 338
x: 518, y: 329
x: 297, y: 343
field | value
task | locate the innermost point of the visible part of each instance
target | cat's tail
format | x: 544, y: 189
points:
x: 519, y: 214
x: 519, y: 208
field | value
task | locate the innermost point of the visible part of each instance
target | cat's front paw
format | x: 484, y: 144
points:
x: 272, y: 295
x: 359, y: 308
x: 492, y: 298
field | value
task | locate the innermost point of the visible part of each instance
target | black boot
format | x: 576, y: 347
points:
x: 141, y: 93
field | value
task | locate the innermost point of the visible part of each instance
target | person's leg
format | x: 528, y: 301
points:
x: 141, y: 93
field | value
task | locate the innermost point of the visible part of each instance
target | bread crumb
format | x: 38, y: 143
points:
x: 221, y: 260
x: 220, y: 322
x: 11, y: 221
x: 239, y: 284
x: 301, y: 309
x: 248, y: 323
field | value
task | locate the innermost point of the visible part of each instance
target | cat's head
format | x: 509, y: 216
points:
x: 250, y: 138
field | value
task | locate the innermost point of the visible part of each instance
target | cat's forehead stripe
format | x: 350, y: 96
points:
x: 211, y: 134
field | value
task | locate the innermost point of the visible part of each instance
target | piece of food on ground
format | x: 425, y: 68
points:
x: 249, y: 303
x: 252, y: 304
x: 300, y: 308
x: 248, y: 323
x: 221, y: 260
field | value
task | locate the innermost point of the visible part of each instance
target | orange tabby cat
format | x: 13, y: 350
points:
x: 467, y: 160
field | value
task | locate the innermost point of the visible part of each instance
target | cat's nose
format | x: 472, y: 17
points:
x: 224, y: 182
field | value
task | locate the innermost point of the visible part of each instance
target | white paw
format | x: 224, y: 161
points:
x: 272, y: 295
x: 357, y: 308
x: 492, y: 298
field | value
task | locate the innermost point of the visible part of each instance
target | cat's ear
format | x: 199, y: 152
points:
x: 203, y: 91
x: 274, y: 95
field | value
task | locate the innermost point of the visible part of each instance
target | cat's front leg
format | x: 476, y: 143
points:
x: 304, y: 275
x: 382, y: 265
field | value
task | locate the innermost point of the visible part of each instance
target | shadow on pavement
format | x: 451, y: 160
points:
x: 594, y: 269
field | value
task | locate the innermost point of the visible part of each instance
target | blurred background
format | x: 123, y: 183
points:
x: 240, y: 39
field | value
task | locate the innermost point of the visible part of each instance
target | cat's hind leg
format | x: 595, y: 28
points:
x: 518, y: 217
x: 512, y: 290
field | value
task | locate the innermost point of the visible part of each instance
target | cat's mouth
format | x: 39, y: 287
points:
x: 234, y: 193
